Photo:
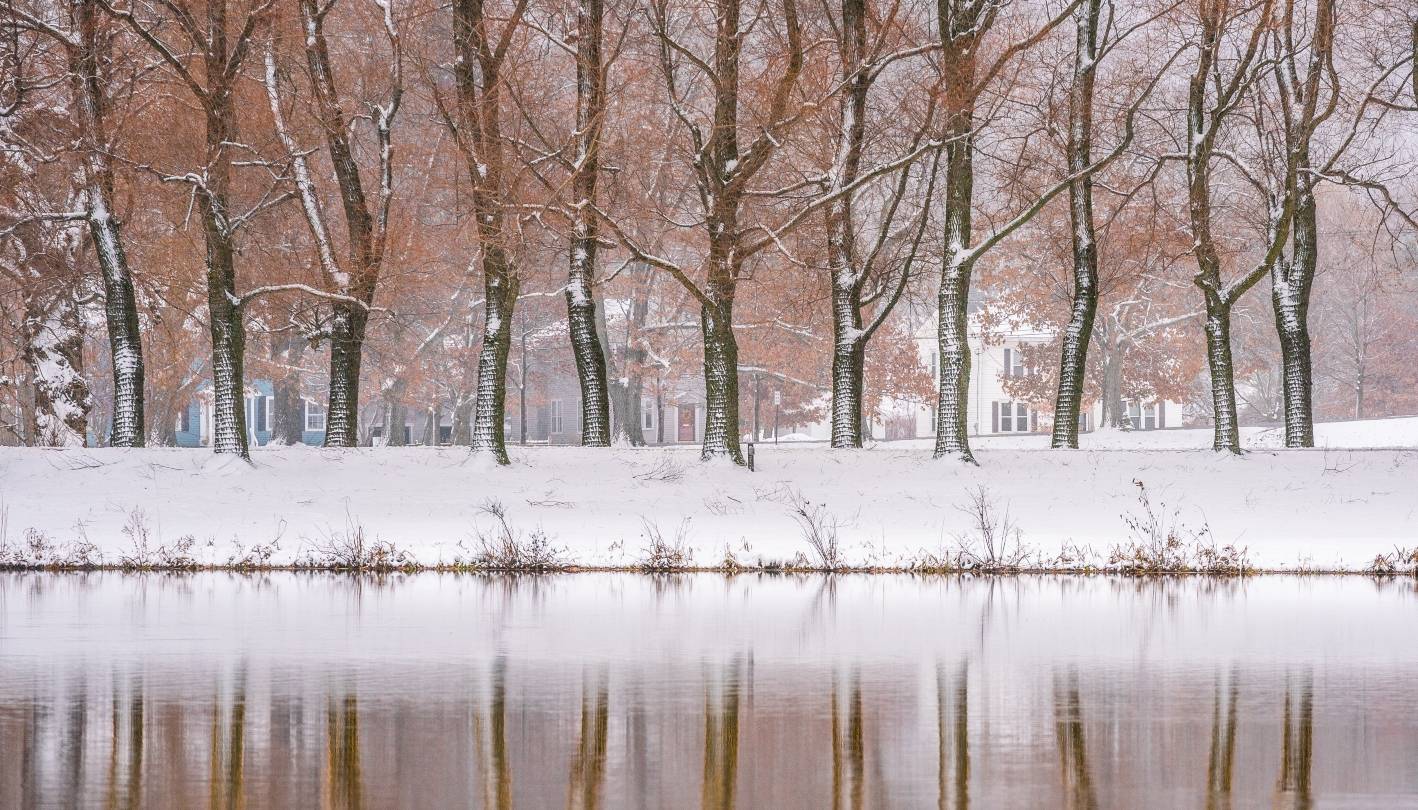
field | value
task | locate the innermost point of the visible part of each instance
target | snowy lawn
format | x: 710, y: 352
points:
x: 892, y: 506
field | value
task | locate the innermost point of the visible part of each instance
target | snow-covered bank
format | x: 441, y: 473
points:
x: 1326, y: 508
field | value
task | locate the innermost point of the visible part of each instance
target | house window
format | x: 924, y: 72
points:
x: 263, y: 414
x: 935, y: 368
x: 1013, y: 363
x: 1013, y: 417
x: 314, y: 417
x: 184, y: 420
x: 647, y: 414
x: 556, y: 416
x: 1142, y: 417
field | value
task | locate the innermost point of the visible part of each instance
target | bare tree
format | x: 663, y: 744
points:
x: 86, y: 47
x: 366, y: 220
x: 1216, y: 91
x: 220, y: 43
x: 580, y: 297
x: 1078, y: 333
x: 723, y: 168
x: 862, y: 59
x: 480, y: 57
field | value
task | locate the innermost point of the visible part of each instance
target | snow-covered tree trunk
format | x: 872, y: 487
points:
x: 848, y: 367
x: 580, y: 296
x: 846, y: 276
x: 224, y: 310
x: 1227, y: 435
x: 952, y: 301
x: 721, y: 383
x: 120, y: 304
x: 347, y: 330
x: 1078, y: 333
x: 1290, y: 298
x: 953, y: 345
x: 476, y: 128
x: 489, y: 404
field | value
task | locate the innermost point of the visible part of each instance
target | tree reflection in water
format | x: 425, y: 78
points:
x: 853, y: 708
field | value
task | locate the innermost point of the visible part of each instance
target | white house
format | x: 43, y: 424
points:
x: 989, y: 409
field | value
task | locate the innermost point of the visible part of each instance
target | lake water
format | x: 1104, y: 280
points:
x: 625, y: 691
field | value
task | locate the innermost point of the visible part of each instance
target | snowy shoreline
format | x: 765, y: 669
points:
x: 891, y: 508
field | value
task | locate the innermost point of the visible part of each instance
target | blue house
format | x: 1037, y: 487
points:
x: 194, y: 424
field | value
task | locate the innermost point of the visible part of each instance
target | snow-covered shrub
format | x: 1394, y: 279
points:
x: 350, y: 550
x: 993, y: 543
x: 502, y: 548
x: 666, y: 555
x: 145, y: 556
x: 1399, y: 561
x: 1161, y: 543
x: 37, y: 550
x: 819, y: 527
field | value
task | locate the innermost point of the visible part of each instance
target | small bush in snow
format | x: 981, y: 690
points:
x: 819, y: 529
x: 502, y: 548
x: 145, y: 556
x: 350, y: 550
x: 664, y: 469
x: 37, y: 550
x: 1399, y: 561
x: 1160, y: 543
x: 666, y: 555
x: 994, y: 542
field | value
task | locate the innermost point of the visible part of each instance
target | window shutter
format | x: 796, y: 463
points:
x: 1033, y: 421
x: 994, y: 417
x: 1161, y: 413
x: 1008, y: 363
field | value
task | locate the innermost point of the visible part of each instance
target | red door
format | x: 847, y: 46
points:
x: 686, y: 423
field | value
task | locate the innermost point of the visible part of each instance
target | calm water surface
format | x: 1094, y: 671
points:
x: 622, y: 691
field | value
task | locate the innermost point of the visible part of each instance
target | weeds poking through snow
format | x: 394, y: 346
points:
x: 1160, y: 543
x: 819, y: 528
x: 994, y: 543
x: 664, y: 469
x: 37, y: 550
x: 148, y: 557
x: 664, y: 556
x: 503, y: 548
x: 1399, y: 561
x: 350, y: 551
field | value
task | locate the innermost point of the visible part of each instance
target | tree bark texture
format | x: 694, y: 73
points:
x: 1078, y: 333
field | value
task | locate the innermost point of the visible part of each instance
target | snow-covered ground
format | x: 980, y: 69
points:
x: 1334, y: 507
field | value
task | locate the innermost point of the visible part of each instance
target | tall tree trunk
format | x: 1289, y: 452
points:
x: 952, y: 432
x: 847, y: 278
x: 224, y: 310
x: 463, y: 422
x: 394, y: 414
x: 120, y: 304
x: 1079, y: 332
x: 580, y: 297
x: 489, y: 405
x: 347, y: 332
x: 628, y: 390
x: 721, y: 384
x: 287, y: 406
x: 1113, y: 415
x: 1223, y: 375
x: 1290, y: 298
x: 959, y: 32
